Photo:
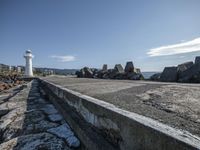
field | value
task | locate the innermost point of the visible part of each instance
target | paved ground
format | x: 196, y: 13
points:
x: 28, y: 121
x: 177, y: 105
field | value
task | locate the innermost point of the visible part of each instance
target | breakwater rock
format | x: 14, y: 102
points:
x: 9, y: 80
x: 187, y: 72
x: 29, y: 121
x: 118, y: 72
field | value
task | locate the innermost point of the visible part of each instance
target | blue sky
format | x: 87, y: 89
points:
x: 77, y: 33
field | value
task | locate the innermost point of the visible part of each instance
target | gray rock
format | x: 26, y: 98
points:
x: 190, y: 74
x: 34, y: 116
x: 3, y: 112
x: 120, y: 76
x: 49, y: 109
x: 43, y: 125
x: 134, y: 76
x: 65, y: 132
x: 197, y: 60
x: 94, y: 71
x: 13, y: 129
x: 195, y: 78
x: 137, y: 70
x: 80, y: 74
x: 184, y: 66
x: 155, y: 77
x: 169, y: 74
x: 12, y: 116
x: 105, y: 76
x: 112, y: 73
x: 88, y: 72
x: 102, y: 73
x: 55, y: 117
x: 34, y: 142
x: 85, y: 73
x: 118, y: 68
x: 105, y: 67
x: 129, y: 67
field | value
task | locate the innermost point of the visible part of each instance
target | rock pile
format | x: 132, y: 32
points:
x: 29, y: 121
x: 9, y: 80
x: 187, y: 72
x: 130, y: 72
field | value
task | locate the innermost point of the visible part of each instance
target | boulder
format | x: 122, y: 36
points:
x: 80, y: 74
x: 34, y: 142
x: 129, y: 67
x: 195, y: 78
x: 169, y: 74
x: 112, y: 73
x: 95, y: 72
x: 85, y: 73
x: 55, y: 117
x: 191, y: 74
x: 120, y: 76
x: 3, y: 112
x: 102, y: 74
x: 137, y: 70
x: 155, y: 77
x: 134, y: 76
x: 197, y: 60
x: 118, y: 68
x: 184, y: 66
x: 88, y: 72
x: 105, y: 76
x: 105, y: 67
x: 2, y: 87
x: 64, y: 131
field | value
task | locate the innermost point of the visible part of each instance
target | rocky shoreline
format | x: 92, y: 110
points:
x: 9, y: 80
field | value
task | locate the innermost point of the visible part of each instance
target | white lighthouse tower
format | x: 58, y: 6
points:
x: 28, y: 69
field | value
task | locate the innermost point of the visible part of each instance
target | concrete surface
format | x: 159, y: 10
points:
x: 124, y: 128
x: 171, y: 103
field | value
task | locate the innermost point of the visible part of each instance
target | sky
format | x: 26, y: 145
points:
x: 72, y: 34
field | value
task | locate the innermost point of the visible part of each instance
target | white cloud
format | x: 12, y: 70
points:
x: 66, y: 58
x: 184, y: 47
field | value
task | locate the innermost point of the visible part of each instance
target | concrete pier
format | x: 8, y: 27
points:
x: 100, y: 114
x: 132, y: 114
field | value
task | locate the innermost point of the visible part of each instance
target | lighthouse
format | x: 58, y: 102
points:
x: 28, y: 68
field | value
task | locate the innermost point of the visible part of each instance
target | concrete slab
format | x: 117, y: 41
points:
x: 174, y: 104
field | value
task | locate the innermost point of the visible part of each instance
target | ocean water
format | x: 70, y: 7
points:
x: 147, y: 75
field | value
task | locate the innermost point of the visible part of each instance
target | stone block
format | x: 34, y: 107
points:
x: 118, y: 68
x: 169, y: 74
x: 190, y: 74
x: 184, y: 66
x: 105, y: 67
x: 197, y: 60
x: 129, y: 67
x: 88, y: 72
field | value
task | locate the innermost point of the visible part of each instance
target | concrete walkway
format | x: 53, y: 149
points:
x: 171, y: 103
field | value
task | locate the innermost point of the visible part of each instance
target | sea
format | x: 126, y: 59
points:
x: 147, y: 75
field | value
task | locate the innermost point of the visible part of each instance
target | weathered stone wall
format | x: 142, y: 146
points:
x: 125, y: 130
